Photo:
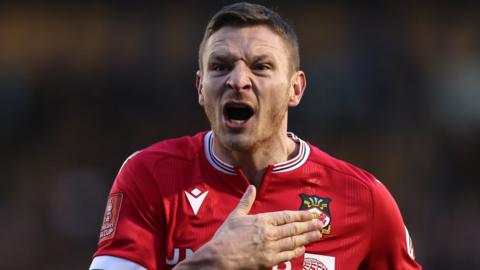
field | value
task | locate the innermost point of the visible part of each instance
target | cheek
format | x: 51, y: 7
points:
x: 211, y: 112
x: 275, y: 104
x: 278, y: 95
x: 211, y: 88
x: 209, y: 103
x: 211, y: 99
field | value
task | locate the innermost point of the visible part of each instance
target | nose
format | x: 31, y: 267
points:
x: 239, y: 78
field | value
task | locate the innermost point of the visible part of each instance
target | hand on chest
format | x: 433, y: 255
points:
x: 202, y: 209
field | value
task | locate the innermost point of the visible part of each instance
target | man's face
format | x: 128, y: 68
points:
x: 246, y: 85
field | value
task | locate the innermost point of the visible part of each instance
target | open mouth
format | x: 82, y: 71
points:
x: 237, y: 113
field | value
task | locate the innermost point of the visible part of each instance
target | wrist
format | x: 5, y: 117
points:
x: 205, y: 258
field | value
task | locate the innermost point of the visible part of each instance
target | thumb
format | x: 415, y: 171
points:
x: 246, y: 202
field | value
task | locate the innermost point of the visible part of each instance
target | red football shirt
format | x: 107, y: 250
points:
x: 170, y: 198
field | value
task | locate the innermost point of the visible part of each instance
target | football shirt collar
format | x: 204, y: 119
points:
x: 289, y: 165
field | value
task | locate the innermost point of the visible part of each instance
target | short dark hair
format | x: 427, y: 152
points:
x: 247, y: 14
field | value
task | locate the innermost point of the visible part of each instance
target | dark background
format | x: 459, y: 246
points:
x: 393, y: 88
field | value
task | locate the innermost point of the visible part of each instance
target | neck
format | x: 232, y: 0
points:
x: 254, y: 162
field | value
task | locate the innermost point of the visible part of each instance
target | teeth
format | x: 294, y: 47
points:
x: 238, y: 121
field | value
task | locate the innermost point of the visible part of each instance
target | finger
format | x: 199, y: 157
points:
x: 284, y: 217
x: 246, y: 202
x: 288, y: 255
x: 293, y: 242
x: 296, y: 228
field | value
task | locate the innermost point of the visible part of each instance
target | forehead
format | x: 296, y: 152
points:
x: 246, y: 41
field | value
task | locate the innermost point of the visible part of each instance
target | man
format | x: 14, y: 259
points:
x: 248, y: 194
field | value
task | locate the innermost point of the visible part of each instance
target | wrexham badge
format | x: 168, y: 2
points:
x: 319, y: 207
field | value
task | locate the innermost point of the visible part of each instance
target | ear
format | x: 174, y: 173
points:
x: 199, y: 86
x: 297, y: 88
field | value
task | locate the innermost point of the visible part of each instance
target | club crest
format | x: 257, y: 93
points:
x: 319, y: 207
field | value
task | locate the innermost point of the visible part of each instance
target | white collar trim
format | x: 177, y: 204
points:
x: 286, y: 166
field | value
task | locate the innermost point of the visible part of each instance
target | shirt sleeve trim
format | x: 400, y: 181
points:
x: 114, y: 263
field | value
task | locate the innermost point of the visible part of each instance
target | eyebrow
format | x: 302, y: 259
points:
x: 225, y: 57
x: 262, y: 57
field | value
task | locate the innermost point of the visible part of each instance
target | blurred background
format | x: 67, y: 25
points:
x: 393, y: 88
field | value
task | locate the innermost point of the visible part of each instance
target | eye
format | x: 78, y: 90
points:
x: 218, y: 67
x: 261, y: 66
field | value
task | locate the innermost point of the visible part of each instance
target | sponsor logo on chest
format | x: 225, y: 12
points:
x: 310, y: 261
x: 318, y: 262
x: 175, y: 257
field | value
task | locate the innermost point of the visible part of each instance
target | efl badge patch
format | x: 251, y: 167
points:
x: 318, y: 262
x: 110, y: 218
x: 319, y: 207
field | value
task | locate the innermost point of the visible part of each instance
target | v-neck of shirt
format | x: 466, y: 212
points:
x: 229, y: 171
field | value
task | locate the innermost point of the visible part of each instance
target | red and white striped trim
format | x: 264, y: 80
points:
x: 286, y: 166
x: 213, y: 159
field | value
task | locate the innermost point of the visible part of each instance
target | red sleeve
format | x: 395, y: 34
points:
x: 132, y: 226
x: 391, y: 246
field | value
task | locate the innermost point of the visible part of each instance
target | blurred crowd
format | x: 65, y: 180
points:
x: 393, y: 88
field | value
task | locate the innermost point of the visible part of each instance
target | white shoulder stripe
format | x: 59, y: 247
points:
x: 114, y: 263
x: 125, y: 162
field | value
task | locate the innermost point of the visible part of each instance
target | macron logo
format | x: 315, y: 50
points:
x: 195, y: 198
